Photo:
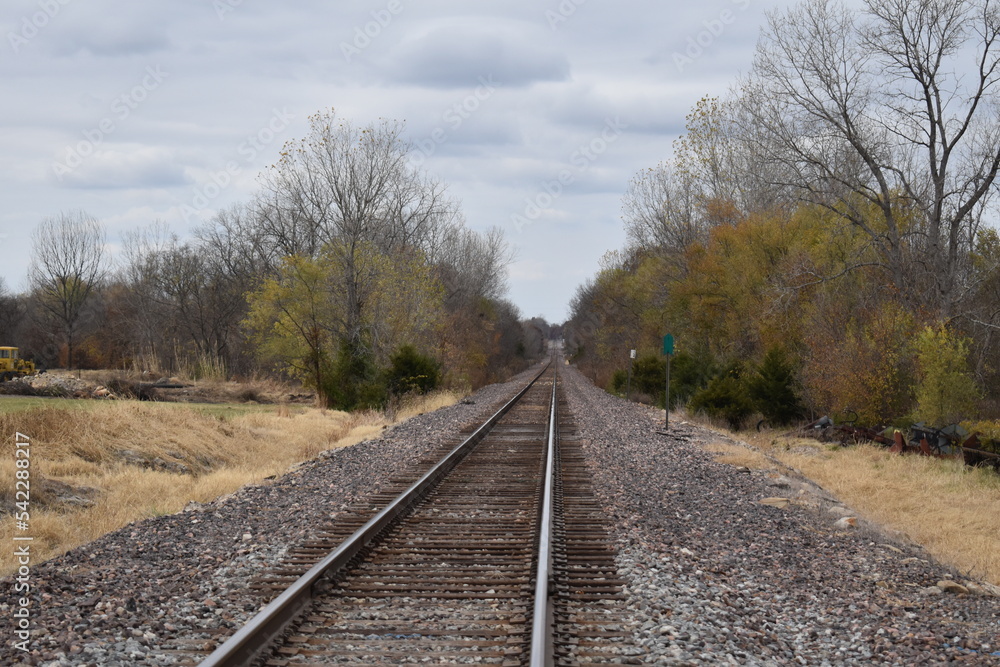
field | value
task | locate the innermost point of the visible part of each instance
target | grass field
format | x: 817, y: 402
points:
x: 952, y: 510
x: 20, y: 403
x: 101, y: 449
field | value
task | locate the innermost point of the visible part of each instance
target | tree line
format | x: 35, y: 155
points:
x: 821, y: 239
x: 348, y: 264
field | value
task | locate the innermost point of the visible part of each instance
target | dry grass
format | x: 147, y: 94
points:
x: 221, y: 450
x: 949, y: 508
x: 427, y: 403
x: 736, y: 455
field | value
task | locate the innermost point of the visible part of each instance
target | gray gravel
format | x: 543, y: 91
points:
x: 718, y: 578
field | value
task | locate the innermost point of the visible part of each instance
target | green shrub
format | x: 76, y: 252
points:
x: 946, y: 391
x: 648, y: 376
x: 772, y: 389
x: 688, y: 375
x: 352, y: 381
x: 726, y: 398
x: 619, y: 382
x: 410, y: 371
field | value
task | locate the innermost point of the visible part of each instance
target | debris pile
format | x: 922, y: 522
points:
x: 49, y: 384
x: 951, y: 441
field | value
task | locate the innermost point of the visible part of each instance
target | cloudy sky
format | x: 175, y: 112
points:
x: 535, y: 113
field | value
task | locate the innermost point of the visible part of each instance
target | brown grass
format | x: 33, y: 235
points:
x: 737, y: 455
x: 222, y: 451
x: 949, y: 508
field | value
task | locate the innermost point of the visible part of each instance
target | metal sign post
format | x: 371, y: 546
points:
x: 628, y: 384
x: 668, y: 349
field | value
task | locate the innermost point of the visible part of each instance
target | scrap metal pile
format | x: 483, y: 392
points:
x: 951, y: 441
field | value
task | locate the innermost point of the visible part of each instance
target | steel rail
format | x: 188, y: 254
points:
x: 542, y: 652
x: 250, y: 641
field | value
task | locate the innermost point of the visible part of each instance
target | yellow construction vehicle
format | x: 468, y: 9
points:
x: 12, y: 365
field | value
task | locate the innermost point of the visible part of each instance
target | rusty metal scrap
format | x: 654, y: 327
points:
x: 951, y: 441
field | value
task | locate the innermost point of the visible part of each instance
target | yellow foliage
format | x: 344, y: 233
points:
x: 302, y: 317
x: 946, y: 391
x: 745, y: 289
x: 989, y: 429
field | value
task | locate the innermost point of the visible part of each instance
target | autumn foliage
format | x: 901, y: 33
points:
x: 781, y: 311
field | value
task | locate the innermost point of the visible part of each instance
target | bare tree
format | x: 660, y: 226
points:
x: 240, y: 244
x: 145, y: 319
x: 67, y: 266
x: 343, y: 191
x: 188, y: 299
x: 716, y: 177
x: 722, y: 160
x: 661, y: 209
x: 470, y: 265
x: 11, y: 313
x: 889, y: 117
x: 344, y: 182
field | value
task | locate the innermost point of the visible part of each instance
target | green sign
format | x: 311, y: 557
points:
x: 668, y: 344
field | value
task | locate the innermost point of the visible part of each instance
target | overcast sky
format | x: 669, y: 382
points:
x: 535, y: 113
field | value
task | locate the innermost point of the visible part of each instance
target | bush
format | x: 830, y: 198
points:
x: 946, y: 391
x: 647, y: 378
x: 619, y: 382
x: 352, y: 381
x: 688, y: 375
x: 649, y: 375
x: 726, y: 398
x: 772, y: 389
x: 249, y: 395
x: 410, y: 371
x: 864, y: 368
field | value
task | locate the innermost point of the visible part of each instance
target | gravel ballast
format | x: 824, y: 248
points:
x: 714, y: 576
x: 719, y: 578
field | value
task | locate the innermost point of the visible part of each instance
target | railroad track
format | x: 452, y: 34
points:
x: 496, y: 555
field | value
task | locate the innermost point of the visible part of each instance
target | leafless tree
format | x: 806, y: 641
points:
x: 715, y: 178
x: 890, y: 117
x: 470, y: 265
x: 238, y: 241
x: 186, y: 299
x: 344, y: 190
x: 345, y: 182
x: 67, y: 265
x: 11, y: 312
x: 662, y: 210
x: 145, y: 319
x: 719, y: 157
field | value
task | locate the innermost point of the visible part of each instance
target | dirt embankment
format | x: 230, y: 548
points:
x: 111, y: 385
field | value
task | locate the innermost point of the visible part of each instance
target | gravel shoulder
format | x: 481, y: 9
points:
x: 719, y: 578
x: 155, y: 590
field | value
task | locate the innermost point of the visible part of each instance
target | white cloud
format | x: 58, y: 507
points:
x: 457, y: 53
x: 120, y: 166
x: 558, y: 87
